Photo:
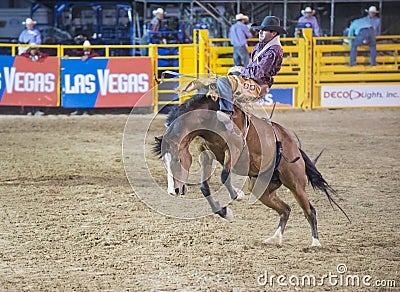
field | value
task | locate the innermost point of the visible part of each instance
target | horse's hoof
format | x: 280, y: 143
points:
x: 315, y: 242
x: 229, y: 215
x: 240, y: 194
x: 273, y: 241
x: 276, y: 239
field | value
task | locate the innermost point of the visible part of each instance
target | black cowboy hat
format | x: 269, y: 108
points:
x: 270, y: 23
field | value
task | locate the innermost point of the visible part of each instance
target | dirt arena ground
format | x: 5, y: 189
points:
x: 69, y: 219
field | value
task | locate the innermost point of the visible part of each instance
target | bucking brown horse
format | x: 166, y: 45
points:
x: 258, y: 148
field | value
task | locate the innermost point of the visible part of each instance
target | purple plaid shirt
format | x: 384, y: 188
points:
x: 266, y: 67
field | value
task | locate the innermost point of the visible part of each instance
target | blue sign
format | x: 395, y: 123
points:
x: 103, y: 82
x: 6, y: 62
x: 284, y: 97
x: 85, y: 93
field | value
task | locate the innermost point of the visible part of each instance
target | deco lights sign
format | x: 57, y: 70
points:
x: 360, y: 95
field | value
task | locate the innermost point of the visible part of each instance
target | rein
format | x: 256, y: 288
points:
x: 246, y: 130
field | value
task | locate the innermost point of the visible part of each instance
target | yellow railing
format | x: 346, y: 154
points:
x: 14, y: 48
x: 180, y: 60
x: 331, y: 58
x: 309, y: 63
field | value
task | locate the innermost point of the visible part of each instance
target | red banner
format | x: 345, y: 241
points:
x: 29, y: 83
x: 125, y: 82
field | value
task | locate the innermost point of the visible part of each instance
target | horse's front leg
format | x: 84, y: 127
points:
x: 235, y: 193
x: 206, y: 160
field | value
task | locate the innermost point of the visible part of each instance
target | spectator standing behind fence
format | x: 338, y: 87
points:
x: 373, y: 19
x: 365, y: 30
x: 308, y: 17
x: 238, y: 34
x: 30, y: 35
x: 152, y: 27
x: 155, y: 23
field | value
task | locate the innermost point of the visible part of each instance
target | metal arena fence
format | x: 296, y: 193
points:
x: 314, y: 73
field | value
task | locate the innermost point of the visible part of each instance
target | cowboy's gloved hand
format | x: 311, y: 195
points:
x: 234, y: 69
x: 264, y: 90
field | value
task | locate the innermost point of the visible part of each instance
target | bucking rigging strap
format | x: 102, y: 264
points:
x: 279, y: 150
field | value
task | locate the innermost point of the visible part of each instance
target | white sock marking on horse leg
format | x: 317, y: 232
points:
x: 315, y: 242
x: 167, y: 159
x: 229, y: 215
x: 240, y: 194
x: 276, y: 238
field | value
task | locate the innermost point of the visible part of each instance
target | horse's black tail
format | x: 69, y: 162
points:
x: 318, y: 182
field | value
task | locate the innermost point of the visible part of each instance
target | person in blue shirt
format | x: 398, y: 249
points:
x: 309, y: 18
x: 365, y: 31
x: 30, y: 35
x: 373, y: 19
x: 238, y: 34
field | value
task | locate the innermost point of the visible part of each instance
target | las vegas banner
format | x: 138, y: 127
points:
x: 29, y: 83
x: 102, y: 82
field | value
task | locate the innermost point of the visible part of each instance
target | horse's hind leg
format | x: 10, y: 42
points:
x: 314, y: 229
x: 310, y: 213
x: 273, y: 201
x: 206, y: 171
x: 298, y: 189
x: 270, y: 199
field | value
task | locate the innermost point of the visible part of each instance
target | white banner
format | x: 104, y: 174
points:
x: 360, y: 95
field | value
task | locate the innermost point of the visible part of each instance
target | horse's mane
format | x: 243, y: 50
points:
x: 157, y: 146
x: 185, y: 107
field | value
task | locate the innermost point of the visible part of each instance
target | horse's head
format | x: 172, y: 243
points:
x: 177, y: 160
x: 183, y: 124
